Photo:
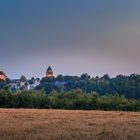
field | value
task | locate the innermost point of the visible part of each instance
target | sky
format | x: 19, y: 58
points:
x: 72, y: 36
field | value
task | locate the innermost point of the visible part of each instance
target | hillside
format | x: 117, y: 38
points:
x: 35, y: 124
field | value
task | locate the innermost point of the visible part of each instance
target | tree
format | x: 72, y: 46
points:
x: 23, y: 78
x: 85, y: 76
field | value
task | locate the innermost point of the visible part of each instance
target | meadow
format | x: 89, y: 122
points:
x: 41, y: 124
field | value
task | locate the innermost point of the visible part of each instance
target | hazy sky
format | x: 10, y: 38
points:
x: 73, y: 36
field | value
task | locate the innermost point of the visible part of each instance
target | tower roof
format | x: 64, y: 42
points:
x: 49, y: 69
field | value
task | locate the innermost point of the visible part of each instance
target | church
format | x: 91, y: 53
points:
x: 49, y: 72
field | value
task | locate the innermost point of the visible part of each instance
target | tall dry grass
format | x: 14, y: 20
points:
x: 35, y: 124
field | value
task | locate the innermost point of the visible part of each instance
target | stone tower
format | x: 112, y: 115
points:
x: 49, y: 72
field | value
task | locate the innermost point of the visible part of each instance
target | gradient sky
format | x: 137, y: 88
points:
x: 73, y: 36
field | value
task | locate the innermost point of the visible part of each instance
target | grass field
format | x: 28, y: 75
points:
x: 35, y: 124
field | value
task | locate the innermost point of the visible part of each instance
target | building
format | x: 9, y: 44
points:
x: 49, y: 72
x: 2, y: 75
x: 21, y: 85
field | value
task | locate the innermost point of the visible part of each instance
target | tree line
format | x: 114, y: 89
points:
x: 74, y: 99
x: 129, y: 86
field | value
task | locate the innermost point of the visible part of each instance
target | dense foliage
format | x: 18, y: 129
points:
x: 73, y: 92
x: 76, y: 99
x: 129, y: 86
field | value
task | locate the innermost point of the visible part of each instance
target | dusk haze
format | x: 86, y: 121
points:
x: 72, y: 36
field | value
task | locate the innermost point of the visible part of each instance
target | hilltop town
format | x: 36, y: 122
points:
x: 23, y: 83
x: 129, y: 86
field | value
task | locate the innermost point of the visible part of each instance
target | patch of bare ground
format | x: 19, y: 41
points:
x: 35, y: 124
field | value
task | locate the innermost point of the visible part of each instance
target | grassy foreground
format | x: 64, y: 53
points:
x: 35, y: 124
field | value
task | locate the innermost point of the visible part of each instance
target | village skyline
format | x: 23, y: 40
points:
x: 4, y: 74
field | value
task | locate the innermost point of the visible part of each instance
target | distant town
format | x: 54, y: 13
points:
x: 23, y: 83
x: 129, y: 86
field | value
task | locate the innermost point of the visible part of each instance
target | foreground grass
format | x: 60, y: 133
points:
x: 35, y: 124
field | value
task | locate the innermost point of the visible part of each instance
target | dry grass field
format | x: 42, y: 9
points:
x: 35, y: 124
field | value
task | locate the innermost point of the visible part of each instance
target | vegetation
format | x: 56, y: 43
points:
x: 72, y: 92
x: 76, y: 99
x: 129, y: 86
x: 36, y: 124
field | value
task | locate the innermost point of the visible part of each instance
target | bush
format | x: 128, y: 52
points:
x: 76, y: 99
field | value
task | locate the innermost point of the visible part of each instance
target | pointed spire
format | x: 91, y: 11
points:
x: 49, y: 68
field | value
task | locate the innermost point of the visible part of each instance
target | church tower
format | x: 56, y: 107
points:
x: 49, y: 72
